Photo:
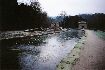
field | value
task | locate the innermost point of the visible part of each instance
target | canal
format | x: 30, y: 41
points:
x: 37, y: 52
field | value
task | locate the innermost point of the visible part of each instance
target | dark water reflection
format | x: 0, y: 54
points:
x: 38, y: 52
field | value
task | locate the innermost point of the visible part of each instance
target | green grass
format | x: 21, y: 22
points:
x: 100, y: 34
x: 68, y: 62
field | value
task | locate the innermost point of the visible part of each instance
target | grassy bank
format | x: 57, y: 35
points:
x: 68, y: 62
x: 100, y: 34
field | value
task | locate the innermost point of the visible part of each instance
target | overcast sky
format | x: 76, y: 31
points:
x: 71, y: 7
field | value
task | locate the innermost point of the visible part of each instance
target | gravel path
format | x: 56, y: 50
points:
x: 92, y: 56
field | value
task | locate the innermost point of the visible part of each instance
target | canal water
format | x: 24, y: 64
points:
x: 38, y: 52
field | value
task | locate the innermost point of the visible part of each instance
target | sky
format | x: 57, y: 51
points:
x: 71, y: 7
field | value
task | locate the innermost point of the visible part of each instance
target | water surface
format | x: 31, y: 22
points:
x: 38, y: 52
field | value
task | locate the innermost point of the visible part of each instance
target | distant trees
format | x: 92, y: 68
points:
x: 95, y: 21
x: 20, y: 17
x: 71, y: 21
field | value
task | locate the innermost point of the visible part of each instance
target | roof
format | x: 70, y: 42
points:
x: 82, y: 22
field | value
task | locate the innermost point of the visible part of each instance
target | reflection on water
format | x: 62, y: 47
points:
x: 37, y: 53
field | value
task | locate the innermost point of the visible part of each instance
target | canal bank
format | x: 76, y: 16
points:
x: 70, y: 60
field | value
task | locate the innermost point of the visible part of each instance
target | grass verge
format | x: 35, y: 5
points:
x: 68, y: 62
x: 100, y: 34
